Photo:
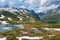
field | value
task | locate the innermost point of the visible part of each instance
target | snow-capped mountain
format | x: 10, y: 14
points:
x: 13, y: 15
x: 52, y: 16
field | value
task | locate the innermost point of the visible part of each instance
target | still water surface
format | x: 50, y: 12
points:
x: 8, y: 27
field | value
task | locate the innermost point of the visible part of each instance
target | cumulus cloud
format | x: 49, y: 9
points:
x: 53, y: 6
x: 45, y: 8
x: 2, y: 1
x: 11, y: 3
x: 56, y: 2
x: 48, y: 4
x: 36, y: 5
x: 43, y: 2
x: 33, y: 2
x: 23, y: 7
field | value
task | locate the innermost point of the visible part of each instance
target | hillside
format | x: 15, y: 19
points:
x: 50, y: 16
x: 20, y: 16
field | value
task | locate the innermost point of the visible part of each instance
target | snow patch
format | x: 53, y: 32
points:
x: 52, y: 29
x: 24, y: 32
x: 28, y: 37
x: 10, y: 19
x: 3, y: 38
x: 2, y: 17
x: 4, y: 22
x: 51, y: 35
x: 19, y: 18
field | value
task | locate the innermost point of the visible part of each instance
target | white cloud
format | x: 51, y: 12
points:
x: 11, y: 3
x: 33, y: 2
x: 2, y: 0
x: 43, y: 2
x: 41, y: 9
x: 39, y: 3
x: 53, y: 6
x: 45, y: 8
x: 47, y: 5
x: 29, y: 1
x: 22, y: 6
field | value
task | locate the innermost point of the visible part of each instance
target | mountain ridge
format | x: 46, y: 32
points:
x: 20, y: 15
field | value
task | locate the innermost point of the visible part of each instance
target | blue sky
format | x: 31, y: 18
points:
x: 36, y: 5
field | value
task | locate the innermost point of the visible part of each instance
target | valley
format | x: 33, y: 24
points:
x: 23, y: 23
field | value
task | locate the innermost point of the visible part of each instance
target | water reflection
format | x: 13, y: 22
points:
x: 8, y: 27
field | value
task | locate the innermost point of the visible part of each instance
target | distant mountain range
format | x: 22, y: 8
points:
x: 25, y: 14
x: 22, y: 15
x: 52, y: 16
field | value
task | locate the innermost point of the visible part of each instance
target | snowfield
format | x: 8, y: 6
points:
x: 52, y: 29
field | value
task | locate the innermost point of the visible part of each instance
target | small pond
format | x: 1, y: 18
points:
x: 8, y: 27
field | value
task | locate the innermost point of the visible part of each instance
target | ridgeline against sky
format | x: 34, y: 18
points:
x: 36, y: 5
